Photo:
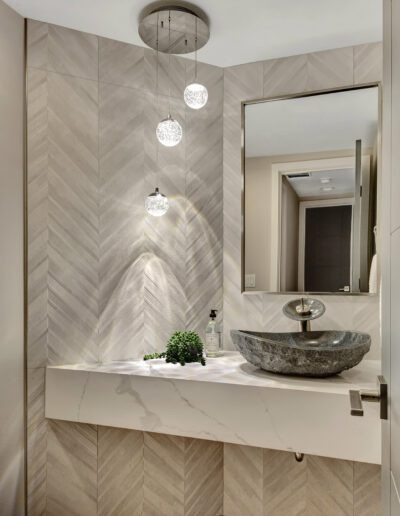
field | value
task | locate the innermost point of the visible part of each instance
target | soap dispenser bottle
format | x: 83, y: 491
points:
x: 213, y: 336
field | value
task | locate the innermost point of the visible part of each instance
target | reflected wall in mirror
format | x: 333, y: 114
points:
x: 310, y: 192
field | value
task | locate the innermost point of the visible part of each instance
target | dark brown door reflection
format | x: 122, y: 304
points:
x: 327, y: 248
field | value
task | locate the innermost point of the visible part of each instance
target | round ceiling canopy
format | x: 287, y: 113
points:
x: 177, y: 29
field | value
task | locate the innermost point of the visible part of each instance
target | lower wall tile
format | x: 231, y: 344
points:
x: 285, y: 484
x: 37, y: 443
x: 204, y: 480
x: 367, y: 489
x: 120, y: 472
x: 243, y: 480
x: 163, y: 475
x: 330, y: 487
x: 114, y: 472
x: 182, y: 476
x: 71, y: 469
x: 271, y: 483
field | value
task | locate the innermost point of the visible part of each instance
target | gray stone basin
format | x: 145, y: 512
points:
x: 313, y: 353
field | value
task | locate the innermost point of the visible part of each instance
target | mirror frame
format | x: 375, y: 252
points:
x: 244, y: 103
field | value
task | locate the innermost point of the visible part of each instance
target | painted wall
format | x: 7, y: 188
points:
x: 320, y: 70
x: 12, y: 262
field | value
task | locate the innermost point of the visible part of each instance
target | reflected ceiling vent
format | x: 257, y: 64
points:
x: 298, y: 175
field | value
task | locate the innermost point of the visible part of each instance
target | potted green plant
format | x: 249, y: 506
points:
x: 183, y: 347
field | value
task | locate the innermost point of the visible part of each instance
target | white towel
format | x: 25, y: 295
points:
x: 373, y: 276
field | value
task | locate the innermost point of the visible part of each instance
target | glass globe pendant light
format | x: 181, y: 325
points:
x: 156, y: 203
x: 169, y: 131
x: 195, y: 94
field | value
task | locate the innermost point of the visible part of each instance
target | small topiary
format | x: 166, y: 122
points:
x: 183, y: 347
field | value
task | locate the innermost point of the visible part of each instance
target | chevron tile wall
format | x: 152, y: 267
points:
x: 328, y: 69
x: 120, y: 472
x: 107, y: 282
x: 261, y: 482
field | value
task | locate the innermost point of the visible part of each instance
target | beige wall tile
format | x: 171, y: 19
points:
x: 73, y: 280
x: 367, y: 489
x: 204, y: 481
x: 72, y: 52
x: 165, y: 237
x: 285, y: 484
x: 330, y: 69
x: 243, y: 82
x: 368, y: 60
x: 71, y: 469
x: 58, y: 49
x: 171, y: 72
x: 329, y: 487
x: 37, y: 33
x: 285, y: 76
x: 243, y: 480
x: 121, y: 201
x: 163, y: 475
x: 204, y: 212
x: 121, y: 63
x: 37, y: 184
x: 37, y: 442
x: 120, y: 472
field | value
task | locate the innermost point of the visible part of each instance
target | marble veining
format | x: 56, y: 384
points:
x: 228, y: 400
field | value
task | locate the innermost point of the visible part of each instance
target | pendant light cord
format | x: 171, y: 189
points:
x: 169, y: 62
x: 157, y: 97
x: 195, y: 52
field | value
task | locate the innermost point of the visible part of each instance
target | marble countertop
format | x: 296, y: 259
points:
x: 232, y: 368
x: 227, y: 400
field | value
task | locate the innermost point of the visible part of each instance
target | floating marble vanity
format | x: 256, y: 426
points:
x: 228, y: 400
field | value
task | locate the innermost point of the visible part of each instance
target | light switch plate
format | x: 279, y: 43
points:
x: 250, y: 280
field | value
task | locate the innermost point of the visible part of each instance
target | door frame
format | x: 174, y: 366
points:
x: 285, y: 168
x: 320, y: 203
x: 388, y: 486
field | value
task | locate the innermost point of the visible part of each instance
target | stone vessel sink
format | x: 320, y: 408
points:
x: 313, y: 353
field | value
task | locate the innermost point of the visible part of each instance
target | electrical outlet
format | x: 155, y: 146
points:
x: 250, y: 281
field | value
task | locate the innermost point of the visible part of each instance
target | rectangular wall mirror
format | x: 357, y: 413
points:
x: 310, y: 166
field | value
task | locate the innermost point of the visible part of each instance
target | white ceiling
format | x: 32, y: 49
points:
x: 242, y: 31
x: 325, y: 183
x: 312, y: 124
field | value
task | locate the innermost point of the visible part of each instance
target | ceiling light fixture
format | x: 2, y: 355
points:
x: 169, y: 131
x: 327, y: 189
x: 156, y: 203
x: 182, y: 30
x: 195, y: 94
x: 325, y: 180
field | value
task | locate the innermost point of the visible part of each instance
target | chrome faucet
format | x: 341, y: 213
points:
x: 304, y: 310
